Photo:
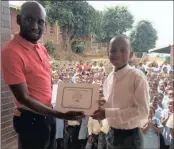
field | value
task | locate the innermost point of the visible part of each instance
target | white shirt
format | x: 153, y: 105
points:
x: 127, y: 94
x: 168, y: 67
x: 145, y: 67
x: 94, y: 127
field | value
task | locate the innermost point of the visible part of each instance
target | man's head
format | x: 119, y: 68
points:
x: 165, y: 62
x: 31, y: 21
x: 120, y: 51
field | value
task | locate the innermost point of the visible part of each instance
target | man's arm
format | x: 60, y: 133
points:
x: 20, y: 92
x: 141, y: 100
x: 13, y: 74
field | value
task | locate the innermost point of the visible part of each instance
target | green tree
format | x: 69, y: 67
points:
x: 75, y: 18
x: 143, y: 37
x: 114, y: 21
x: 51, y: 48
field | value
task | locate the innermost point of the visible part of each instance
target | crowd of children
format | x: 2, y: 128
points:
x: 87, y: 133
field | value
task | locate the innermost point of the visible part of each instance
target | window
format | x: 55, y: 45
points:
x: 52, y: 31
x: 60, y: 32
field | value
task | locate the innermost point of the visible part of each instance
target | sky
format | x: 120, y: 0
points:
x: 160, y: 13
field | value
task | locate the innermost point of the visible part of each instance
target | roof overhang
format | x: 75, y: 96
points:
x: 161, y: 50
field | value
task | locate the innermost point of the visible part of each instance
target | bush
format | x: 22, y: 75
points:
x: 78, y: 47
x: 51, y: 48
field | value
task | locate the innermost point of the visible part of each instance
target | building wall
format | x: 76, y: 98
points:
x: 8, y: 135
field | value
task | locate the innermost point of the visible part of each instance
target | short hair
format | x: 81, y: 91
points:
x: 24, y: 5
x: 121, y: 36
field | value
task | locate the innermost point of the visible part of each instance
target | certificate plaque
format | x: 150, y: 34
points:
x: 77, y: 97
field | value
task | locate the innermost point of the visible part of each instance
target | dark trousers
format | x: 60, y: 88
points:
x: 34, y: 131
x: 72, y: 137
x: 125, y: 139
x: 60, y: 144
x: 82, y: 143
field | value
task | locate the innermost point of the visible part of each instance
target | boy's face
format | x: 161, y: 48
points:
x: 171, y: 105
x: 120, y: 52
x: 161, y: 86
x: 151, y: 113
x: 170, y: 94
x: 155, y: 100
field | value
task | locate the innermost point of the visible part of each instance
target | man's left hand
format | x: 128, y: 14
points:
x: 99, y: 114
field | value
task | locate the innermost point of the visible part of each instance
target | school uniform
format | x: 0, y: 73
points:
x: 127, y: 94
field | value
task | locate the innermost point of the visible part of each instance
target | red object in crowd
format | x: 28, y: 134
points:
x: 80, y: 67
x: 87, y: 67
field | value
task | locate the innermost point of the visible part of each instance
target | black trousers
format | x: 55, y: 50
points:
x: 72, y: 137
x: 125, y: 139
x: 35, y: 131
x: 60, y: 144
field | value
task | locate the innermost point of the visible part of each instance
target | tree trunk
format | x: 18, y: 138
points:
x: 66, y: 40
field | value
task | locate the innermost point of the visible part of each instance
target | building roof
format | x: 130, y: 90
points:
x: 14, y: 6
x: 162, y: 50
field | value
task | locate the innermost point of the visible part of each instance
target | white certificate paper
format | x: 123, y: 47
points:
x: 77, y: 97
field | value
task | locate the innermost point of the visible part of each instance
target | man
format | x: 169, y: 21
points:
x: 168, y: 67
x: 80, y: 67
x: 26, y: 69
x: 126, y: 92
x: 141, y: 67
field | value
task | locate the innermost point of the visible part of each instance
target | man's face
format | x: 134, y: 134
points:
x: 120, y: 52
x: 32, y: 24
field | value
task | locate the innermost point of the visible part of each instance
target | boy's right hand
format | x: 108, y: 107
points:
x: 90, y: 138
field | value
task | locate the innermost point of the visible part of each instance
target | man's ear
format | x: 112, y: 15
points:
x: 18, y: 19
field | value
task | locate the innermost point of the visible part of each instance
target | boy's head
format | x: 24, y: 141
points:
x: 151, y: 112
x: 120, y: 51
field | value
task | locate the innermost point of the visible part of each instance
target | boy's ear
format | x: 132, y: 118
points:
x: 18, y: 19
x: 131, y: 55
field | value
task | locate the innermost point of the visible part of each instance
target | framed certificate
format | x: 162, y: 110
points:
x: 77, y: 97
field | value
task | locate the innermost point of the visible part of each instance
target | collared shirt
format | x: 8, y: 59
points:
x: 170, y: 122
x: 73, y: 123
x: 127, y: 94
x: 24, y: 62
x: 158, y: 112
x: 94, y: 126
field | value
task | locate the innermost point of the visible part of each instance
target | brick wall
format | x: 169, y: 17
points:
x: 8, y: 135
x: 172, y: 56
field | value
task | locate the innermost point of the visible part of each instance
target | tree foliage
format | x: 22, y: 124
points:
x: 143, y: 37
x: 114, y: 21
x: 75, y: 18
x: 50, y: 47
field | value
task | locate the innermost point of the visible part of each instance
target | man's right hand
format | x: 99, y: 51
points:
x: 71, y: 115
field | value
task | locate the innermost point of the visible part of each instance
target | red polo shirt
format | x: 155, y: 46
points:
x: 24, y: 62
